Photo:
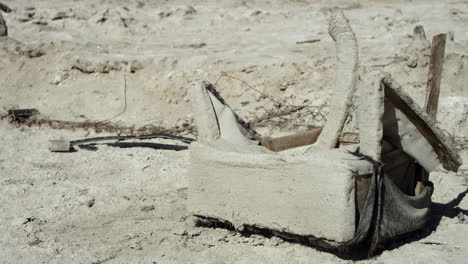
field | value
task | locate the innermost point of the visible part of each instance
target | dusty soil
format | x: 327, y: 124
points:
x: 82, y: 60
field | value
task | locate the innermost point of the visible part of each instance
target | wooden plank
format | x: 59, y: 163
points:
x: 448, y: 161
x: 435, y: 74
x: 303, y: 139
x: 292, y: 141
x: 348, y: 138
x: 308, y: 41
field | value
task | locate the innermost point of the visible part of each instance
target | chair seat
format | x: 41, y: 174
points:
x: 310, y: 195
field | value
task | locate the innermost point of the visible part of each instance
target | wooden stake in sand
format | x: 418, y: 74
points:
x: 435, y: 74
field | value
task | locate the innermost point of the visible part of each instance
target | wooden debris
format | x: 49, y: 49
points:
x: 59, y: 146
x: 447, y: 158
x: 191, y: 45
x: 19, y: 115
x: 349, y: 138
x: 305, y: 138
x: 308, y: 41
x: 291, y: 141
x: 435, y: 74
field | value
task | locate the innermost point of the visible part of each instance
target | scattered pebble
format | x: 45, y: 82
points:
x: 91, y: 202
x: 135, y: 245
x: 147, y: 208
x: 60, y: 15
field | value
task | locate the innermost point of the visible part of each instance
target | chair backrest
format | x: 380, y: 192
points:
x: 345, y: 80
x: 214, y: 118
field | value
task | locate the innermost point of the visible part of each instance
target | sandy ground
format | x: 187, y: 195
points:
x: 69, y: 59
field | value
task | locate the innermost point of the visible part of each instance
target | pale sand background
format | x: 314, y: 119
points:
x: 87, y: 207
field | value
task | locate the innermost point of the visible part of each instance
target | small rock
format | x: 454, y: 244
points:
x: 189, y: 10
x: 412, y: 62
x: 284, y: 85
x: 40, y: 22
x: 164, y: 14
x: 256, y: 13
x: 91, y: 202
x: 135, y: 66
x: 61, y: 75
x: 26, y: 15
x: 33, y: 52
x: 451, y: 35
x: 195, y: 45
x: 60, y: 15
x: 34, y: 242
x: 135, y: 245
x: 103, y: 16
x: 147, y: 208
x: 28, y: 220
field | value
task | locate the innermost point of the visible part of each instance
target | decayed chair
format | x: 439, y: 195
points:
x: 322, y: 194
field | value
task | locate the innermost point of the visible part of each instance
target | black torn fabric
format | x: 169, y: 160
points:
x: 388, y: 212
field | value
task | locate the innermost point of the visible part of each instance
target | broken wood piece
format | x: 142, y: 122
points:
x: 59, y: 145
x: 308, y: 41
x: 348, y: 138
x: 291, y: 141
x: 435, y: 75
x: 22, y: 114
x: 441, y: 144
x: 303, y: 139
